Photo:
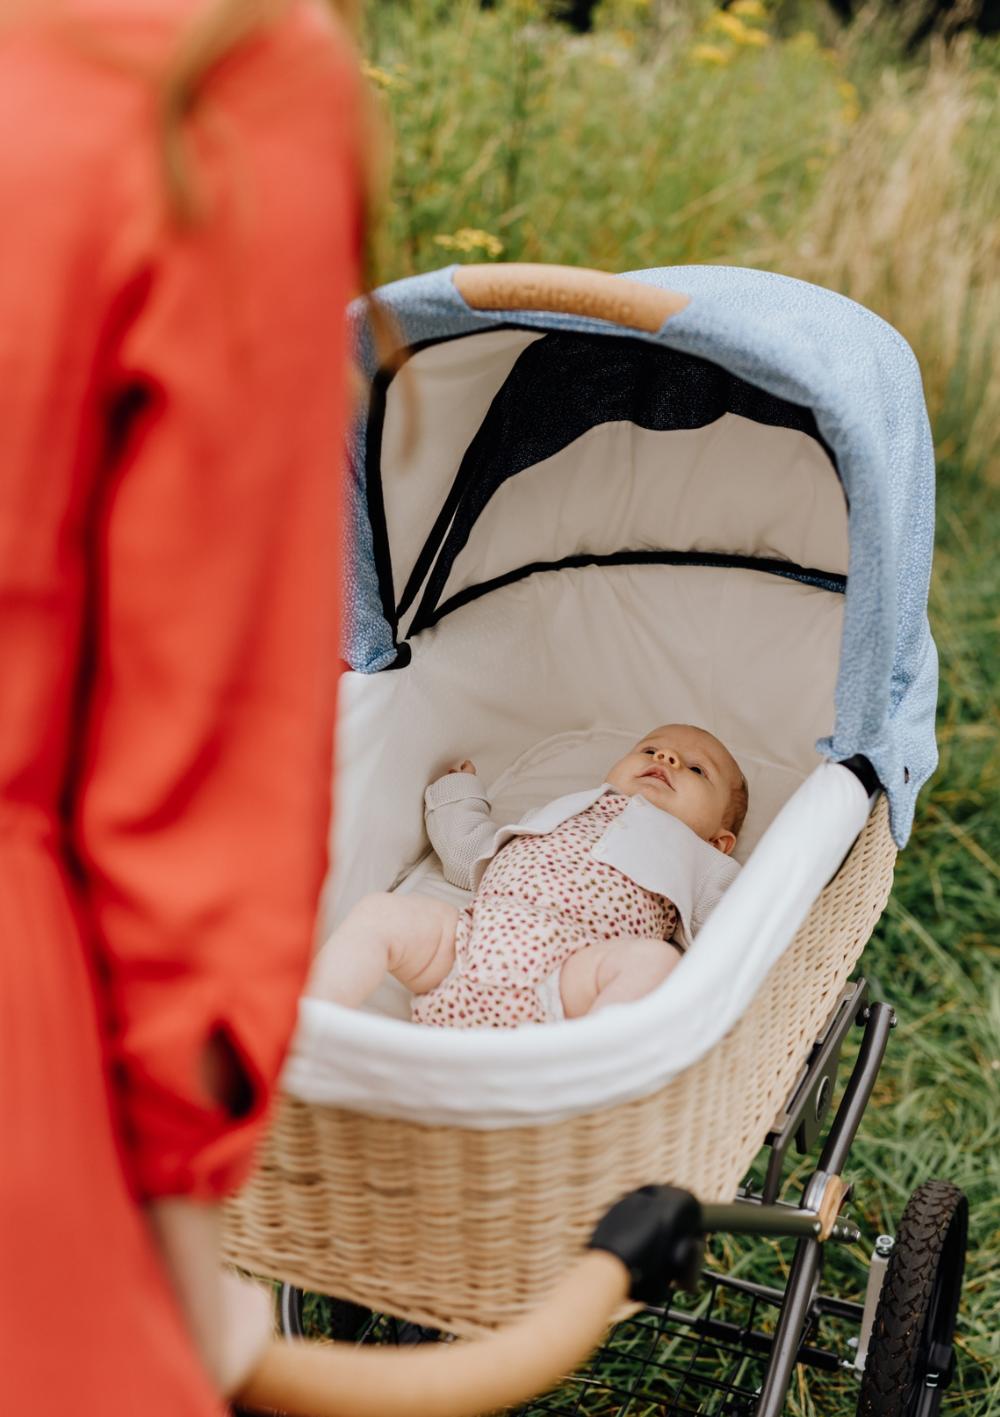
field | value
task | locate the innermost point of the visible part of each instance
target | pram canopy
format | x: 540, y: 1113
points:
x: 799, y: 447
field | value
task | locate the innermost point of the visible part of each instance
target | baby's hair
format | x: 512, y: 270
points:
x: 739, y: 801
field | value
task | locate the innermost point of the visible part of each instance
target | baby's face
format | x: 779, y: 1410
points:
x: 686, y: 772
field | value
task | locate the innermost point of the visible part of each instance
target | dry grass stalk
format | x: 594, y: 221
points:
x: 907, y: 221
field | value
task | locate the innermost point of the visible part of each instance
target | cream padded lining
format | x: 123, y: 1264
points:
x: 680, y: 493
x: 733, y: 486
x: 576, y: 658
x: 749, y: 656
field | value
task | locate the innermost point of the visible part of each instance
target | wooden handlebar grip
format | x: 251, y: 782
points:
x: 568, y: 290
x: 446, y: 1380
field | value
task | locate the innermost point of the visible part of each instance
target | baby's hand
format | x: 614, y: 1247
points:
x: 465, y: 766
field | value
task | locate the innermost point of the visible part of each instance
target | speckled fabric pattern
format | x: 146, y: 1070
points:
x: 858, y: 375
x: 542, y: 899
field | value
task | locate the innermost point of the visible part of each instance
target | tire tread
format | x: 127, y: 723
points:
x: 894, y: 1350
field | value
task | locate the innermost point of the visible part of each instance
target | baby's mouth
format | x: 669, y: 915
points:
x: 660, y: 773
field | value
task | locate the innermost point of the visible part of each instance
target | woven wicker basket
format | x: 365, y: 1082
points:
x: 463, y: 1230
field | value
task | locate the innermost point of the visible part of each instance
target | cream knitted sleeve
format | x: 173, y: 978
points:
x: 457, y: 813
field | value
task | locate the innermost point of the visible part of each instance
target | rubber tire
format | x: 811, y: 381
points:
x: 346, y: 1320
x: 918, y: 1303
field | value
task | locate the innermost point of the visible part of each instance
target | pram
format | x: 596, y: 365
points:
x: 699, y: 494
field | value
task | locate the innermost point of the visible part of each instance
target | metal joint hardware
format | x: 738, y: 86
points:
x: 804, y: 1115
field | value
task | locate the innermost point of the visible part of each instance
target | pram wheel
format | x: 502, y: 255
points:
x: 910, y: 1357
x: 303, y: 1315
x: 336, y: 1318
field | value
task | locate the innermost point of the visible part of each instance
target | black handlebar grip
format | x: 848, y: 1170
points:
x: 656, y: 1232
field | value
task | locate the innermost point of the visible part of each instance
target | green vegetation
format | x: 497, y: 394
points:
x: 764, y: 137
x: 683, y: 134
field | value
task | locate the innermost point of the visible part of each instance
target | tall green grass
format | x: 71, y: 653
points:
x: 676, y: 135
x: 764, y: 137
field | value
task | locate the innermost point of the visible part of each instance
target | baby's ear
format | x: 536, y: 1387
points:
x: 725, y: 841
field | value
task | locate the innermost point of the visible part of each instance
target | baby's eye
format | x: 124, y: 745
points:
x: 651, y: 751
x: 697, y: 769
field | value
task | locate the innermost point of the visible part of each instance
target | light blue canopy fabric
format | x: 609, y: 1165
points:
x: 811, y: 347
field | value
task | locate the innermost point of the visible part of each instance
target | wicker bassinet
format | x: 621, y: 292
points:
x: 464, y: 1230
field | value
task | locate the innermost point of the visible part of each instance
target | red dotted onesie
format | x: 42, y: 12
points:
x: 541, y: 899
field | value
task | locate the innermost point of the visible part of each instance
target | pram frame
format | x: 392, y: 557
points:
x: 809, y: 1093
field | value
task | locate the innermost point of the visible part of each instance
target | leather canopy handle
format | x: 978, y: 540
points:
x: 568, y: 290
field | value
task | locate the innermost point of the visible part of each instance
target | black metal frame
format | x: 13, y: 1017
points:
x: 801, y: 1301
x: 802, y: 1118
x: 799, y: 1304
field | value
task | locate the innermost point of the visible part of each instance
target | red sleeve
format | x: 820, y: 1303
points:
x: 202, y: 793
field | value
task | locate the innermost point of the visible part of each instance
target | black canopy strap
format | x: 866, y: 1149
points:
x: 375, y: 500
x: 560, y: 387
x: 790, y: 570
x: 373, y: 494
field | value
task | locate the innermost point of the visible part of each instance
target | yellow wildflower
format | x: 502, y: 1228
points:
x: 468, y: 239
x: 380, y: 77
x: 847, y: 91
x: 748, y: 9
x: 730, y: 25
x: 804, y: 40
x: 850, y: 113
x: 711, y: 54
x: 756, y: 39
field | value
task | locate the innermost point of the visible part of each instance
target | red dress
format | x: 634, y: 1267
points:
x: 172, y: 407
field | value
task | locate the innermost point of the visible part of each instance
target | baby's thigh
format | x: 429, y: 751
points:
x: 578, y: 986
x: 614, y: 971
x: 422, y: 941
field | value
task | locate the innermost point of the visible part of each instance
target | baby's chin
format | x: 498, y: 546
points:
x: 659, y: 796
x: 655, y: 793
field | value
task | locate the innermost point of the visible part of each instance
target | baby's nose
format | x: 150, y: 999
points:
x: 669, y: 757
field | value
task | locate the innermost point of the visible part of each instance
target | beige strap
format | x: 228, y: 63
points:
x: 446, y: 1380
x: 568, y: 290
x: 834, y: 1192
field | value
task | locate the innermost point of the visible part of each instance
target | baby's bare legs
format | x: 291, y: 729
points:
x: 409, y: 936
x: 614, y: 972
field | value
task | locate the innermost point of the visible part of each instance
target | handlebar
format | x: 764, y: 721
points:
x: 647, y: 1241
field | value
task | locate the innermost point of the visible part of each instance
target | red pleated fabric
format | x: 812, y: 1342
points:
x: 172, y: 415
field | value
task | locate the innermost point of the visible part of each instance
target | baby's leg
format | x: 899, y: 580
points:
x: 409, y: 936
x: 614, y: 972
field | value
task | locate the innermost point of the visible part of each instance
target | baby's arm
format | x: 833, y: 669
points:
x: 457, y: 813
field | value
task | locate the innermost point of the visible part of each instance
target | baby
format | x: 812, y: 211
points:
x: 586, y: 902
